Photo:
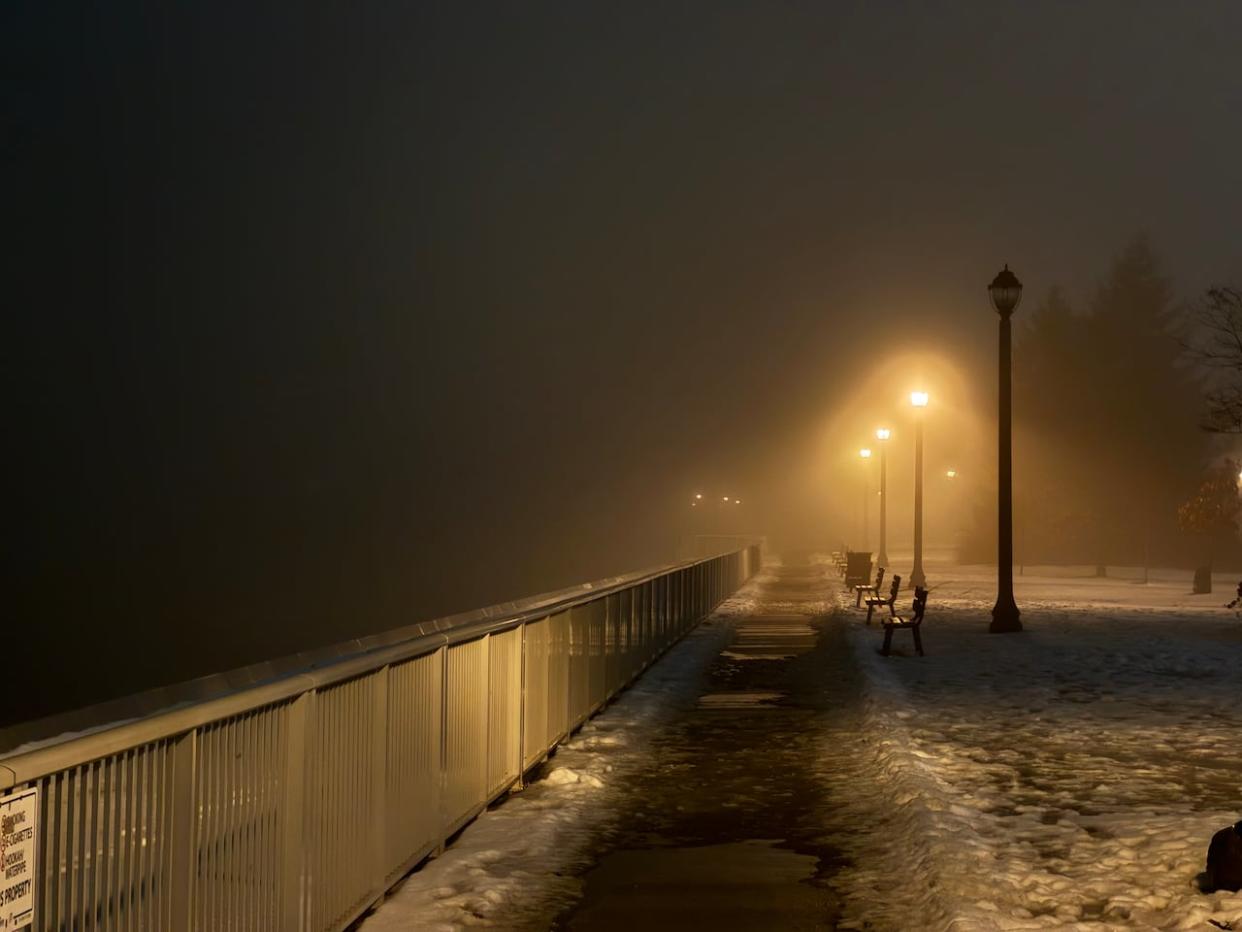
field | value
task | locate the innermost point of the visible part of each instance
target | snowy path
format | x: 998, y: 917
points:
x: 697, y: 799
x: 1066, y: 777
x: 518, y: 865
x: 730, y: 825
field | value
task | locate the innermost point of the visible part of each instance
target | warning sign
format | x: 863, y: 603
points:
x: 19, y: 814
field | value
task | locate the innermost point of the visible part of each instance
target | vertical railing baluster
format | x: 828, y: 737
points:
x: 379, y: 778
x: 292, y: 806
x: 182, y: 843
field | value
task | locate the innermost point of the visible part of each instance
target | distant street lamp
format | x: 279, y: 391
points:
x: 1006, y: 292
x: 919, y: 401
x: 865, y: 455
x: 950, y: 474
x: 882, y: 435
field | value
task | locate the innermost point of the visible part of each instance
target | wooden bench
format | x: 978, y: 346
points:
x: 875, y: 601
x: 840, y: 559
x: 869, y: 588
x: 891, y: 624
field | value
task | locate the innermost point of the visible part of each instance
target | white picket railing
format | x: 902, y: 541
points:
x: 296, y: 804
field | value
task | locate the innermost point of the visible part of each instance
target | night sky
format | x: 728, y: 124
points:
x: 323, y: 319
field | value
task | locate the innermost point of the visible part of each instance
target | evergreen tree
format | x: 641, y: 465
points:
x: 1050, y: 380
x: 1105, y: 443
x: 1142, y: 396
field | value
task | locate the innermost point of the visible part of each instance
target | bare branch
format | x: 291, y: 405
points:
x: 1218, y: 346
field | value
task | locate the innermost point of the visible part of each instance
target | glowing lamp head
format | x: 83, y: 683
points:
x: 737, y: 501
x: 919, y: 399
x: 726, y: 498
x: 698, y: 496
x: 883, y: 433
x: 952, y: 473
x: 1006, y: 292
x: 864, y: 453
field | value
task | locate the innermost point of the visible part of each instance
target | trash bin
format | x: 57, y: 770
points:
x: 858, y: 568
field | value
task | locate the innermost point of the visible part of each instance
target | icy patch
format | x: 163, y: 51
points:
x: 738, y: 700
x: 733, y: 655
x: 563, y: 776
x: 726, y: 886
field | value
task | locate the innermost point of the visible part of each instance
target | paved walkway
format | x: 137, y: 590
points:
x: 730, y: 825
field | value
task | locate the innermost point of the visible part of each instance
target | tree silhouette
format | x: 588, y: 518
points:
x: 1211, y: 514
x: 1215, y: 506
x: 1218, y: 347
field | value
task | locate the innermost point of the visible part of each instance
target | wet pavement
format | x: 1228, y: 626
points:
x: 730, y: 826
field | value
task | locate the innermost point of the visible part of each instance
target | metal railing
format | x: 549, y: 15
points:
x: 296, y: 804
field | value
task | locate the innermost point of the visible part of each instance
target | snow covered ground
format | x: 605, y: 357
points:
x: 1066, y: 777
x: 518, y: 864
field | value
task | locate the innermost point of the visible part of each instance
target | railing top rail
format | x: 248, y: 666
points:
x: 99, y: 731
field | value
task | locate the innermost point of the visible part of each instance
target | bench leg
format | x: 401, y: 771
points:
x: 888, y: 641
x: 858, y: 598
x: 918, y: 640
x: 870, y: 609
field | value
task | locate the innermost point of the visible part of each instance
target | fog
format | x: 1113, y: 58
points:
x: 324, y: 322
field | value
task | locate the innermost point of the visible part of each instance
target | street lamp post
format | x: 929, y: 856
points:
x: 882, y: 435
x: 1006, y: 292
x: 919, y: 401
x: 865, y: 454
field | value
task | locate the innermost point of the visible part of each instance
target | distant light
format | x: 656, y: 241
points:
x: 952, y: 473
x: 737, y: 501
x: 698, y: 495
x: 864, y: 453
x: 694, y: 504
x: 918, y: 399
x: 726, y: 498
x: 883, y: 433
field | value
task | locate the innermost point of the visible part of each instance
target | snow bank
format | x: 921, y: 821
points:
x: 1070, y: 776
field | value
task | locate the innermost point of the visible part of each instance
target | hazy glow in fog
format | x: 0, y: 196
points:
x: 824, y: 486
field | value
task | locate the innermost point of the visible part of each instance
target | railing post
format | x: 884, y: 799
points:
x: 293, y: 849
x: 521, y: 764
x: 379, y: 779
x: 184, y: 844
